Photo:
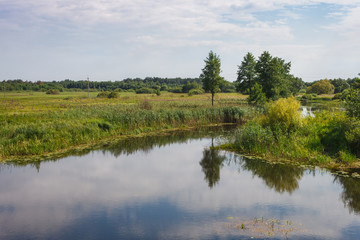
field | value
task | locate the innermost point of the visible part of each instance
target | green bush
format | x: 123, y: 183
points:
x: 52, y: 91
x: 197, y: 91
x: 283, y: 114
x: 352, y: 103
x: 104, y: 94
x: 113, y: 95
x: 252, y: 137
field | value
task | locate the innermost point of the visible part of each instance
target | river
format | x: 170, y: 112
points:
x: 174, y: 187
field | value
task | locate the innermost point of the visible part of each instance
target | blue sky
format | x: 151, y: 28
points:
x: 116, y: 39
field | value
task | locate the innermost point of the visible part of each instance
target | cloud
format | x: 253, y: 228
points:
x: 93, y: 28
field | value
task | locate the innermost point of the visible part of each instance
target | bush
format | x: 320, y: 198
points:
x: 283, y: 114
x: 103, y: 94
x: 353, y: 137
x: 198, y: 91
x: 352, y: 103
x: 256, y: 97
x: 52, y: 91
x: 113, y: 95
x: 252, y: 137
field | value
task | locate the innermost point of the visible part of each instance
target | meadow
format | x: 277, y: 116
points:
x: 34, y: 124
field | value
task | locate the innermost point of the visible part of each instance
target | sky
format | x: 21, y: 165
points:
x: 108, y: 40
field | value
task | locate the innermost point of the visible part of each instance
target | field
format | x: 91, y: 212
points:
x: 35, y: 124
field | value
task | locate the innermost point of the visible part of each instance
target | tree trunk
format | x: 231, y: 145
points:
x: 212, y: 99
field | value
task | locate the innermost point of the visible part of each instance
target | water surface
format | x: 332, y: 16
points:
x: 174, y: 187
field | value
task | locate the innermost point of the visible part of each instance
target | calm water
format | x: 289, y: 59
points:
x: 174, y: 187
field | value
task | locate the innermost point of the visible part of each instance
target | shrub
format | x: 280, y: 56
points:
x: 198, y: 91
x: 113, y: 95
x: 353, y: 137
x: 283, y: 114
x: 332, y: 133
x: 352, y: 103
x: 103, y: 94
x: 256, y: 97
x: 52, y: 91
x: 252, y: 137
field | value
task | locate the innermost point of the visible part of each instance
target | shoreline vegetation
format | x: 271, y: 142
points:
x: 35, y: 125
x: 330, y: 139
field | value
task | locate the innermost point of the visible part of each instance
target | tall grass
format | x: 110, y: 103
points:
x: 330, y: 139
x: 27, y: 134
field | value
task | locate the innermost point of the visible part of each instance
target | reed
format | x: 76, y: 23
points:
x: 29, y: 133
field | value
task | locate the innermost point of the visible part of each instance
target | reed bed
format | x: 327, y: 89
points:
x: 35, y: 133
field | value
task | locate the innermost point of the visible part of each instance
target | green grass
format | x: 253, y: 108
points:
x: 33, y: 123
x: 329, y: 140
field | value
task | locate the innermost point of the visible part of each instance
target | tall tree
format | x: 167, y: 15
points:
x: 274, y: 76
x: 210, y: 75
x: 246, y: 74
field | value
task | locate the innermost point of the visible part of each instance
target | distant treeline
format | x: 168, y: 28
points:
x: 147, y: 85
x: 339, y: 84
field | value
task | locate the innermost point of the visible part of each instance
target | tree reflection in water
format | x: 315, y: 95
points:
x: 211, y: 163
x: 351, y: 193
x: 281, y: 178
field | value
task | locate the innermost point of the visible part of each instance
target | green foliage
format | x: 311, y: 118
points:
x: 145, y: 90
x: 332, y: 133
x: 113, y: 95
x: 196, y: 92
x: 210, y: 75
x: 283, y: 114
x: 104, y: 94
x: 246, y: 74
x: 321, y: 87
x: 271, y: 73
x: 352, y: 103
x: 256, y: 96
x: 52, y: 91
x: 189, y: 86
x: 274, y: 76
x: 158, y: 92
x: 44, y: 132
x: 253, y: 138
x: 340, y: 85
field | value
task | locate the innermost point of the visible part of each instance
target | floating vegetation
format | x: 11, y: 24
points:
x: 262, y: 227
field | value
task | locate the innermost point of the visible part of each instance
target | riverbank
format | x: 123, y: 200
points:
x: 329, y: 140
x: 27, y: 134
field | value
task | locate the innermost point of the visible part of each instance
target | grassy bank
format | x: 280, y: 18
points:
x: 33, y: 125
x: 330, y: 139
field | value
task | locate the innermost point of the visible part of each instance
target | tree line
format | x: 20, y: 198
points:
x: 146, y: 85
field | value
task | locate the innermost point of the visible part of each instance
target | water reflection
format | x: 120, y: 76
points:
x: 281, y: 178
x: 351, y: 193
x: 211, y: 163
x: 132, y: 145
x: 150, y: 189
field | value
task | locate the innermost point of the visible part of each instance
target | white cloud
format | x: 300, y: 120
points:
x: 127, y: 28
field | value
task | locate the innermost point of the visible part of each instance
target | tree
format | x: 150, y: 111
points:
x: 321, y: 87
x: 256, y: 96
x: 352, y: 103
x: 340, y: 85
x: 246, y: 74
x: 273, y: 76
x: 210, y: 76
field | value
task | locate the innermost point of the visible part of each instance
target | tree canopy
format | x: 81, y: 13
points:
x: 271, y: 73
x: 210, y: 75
